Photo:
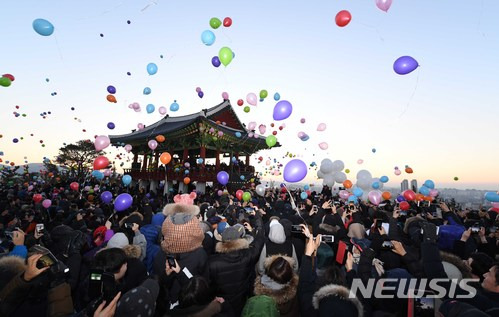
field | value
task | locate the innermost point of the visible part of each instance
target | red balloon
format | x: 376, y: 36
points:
x: 404, y: 205
x: 9, y: 76
x: 240, y: 102
x: 343, y: 18
x: 409, y: 195
x: 239, y: 195
x: 101, y: 162
x: 37, y: 198
x: 74, y: 186
x: 227, y: 22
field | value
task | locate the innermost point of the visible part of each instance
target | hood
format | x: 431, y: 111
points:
x: 233, y: 245
x: 283, y: 292
x: 157, y: 219
x: 356, y: 230
x: 339, y: 291
x: 119, y: 240
x: 454, y: 266
x: 412, y: 221
x: 133, y: 217
x: 276, y: 232
x: 329, y: 228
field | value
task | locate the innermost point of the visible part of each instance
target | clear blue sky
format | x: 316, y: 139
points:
x: 441, y: 119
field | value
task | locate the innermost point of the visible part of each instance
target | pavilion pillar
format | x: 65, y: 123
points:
x: 185, y: 156
x: 202, y: 154
x: 135, y: 157
x: 236, y: 155
x: 247, y: 160
x: 144, y: 163
x: 156, y: 157
x: 217, y: 159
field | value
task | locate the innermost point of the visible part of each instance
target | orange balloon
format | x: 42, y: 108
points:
x: 428, y: 198
x: 419, y: 197
x: 347, y: 184
x: 160, y: 138
x: 51, y: 174
x: 187, y: 180
x: 111, y: 98
x: 12, y: 163
x: 165, y: 158
x: 408, y: 170
x: 386, y: 195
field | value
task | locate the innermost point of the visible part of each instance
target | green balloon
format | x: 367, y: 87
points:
x: 246, y: 109
x: 5, y: 82
x: 225, y: 55
x: 271, y: 140
x: 246, y: 196
x: 215, y: 23
x: 263, y: 94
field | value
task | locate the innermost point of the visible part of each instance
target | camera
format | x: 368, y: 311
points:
x: 327, y: 238
x: 475, y: 229
x: 40, y: 227
x: 296, y: 229
x: 47, y: 259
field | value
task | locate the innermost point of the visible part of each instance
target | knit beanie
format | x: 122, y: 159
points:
x: 119, y: 240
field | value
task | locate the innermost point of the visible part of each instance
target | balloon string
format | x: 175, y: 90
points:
x: 58, y: 48
x: 412, y: 97
x: 375, y: 28
x: 479, y: 25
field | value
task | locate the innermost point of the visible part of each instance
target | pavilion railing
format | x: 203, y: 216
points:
x: 208, y: 174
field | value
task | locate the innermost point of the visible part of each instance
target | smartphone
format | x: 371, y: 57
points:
x: 424, y: 306
x: 387, y: 245
x: 40, y: 227
x: 48, y: 259
x: 403, y: 213
x: 249, y: 210
x: 102, y: 284
x: 341, y: 253
x: 475, y: 229
x: 337, y: 203
x: 109, y: 287
x: 379, y: 223
x: 128, y: 225
x: 327, y: 238
x: 171, y: 261
x: 95, y: 283
x: 296, y: 229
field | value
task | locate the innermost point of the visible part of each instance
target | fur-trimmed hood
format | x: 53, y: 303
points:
x: 172, y: 209
x: 13, y: 264
x: 329, y: 228
x: 135, y: 213
x: 454, y: 260
x: 287, y: 292
x: 339, y: 291
x: 233, y: 245
x: 132, y: 251
x: 410, y: 221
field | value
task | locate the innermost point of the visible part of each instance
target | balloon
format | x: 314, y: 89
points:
x: 409, y: 195
x: 352, y: 199
x: 262, y: 128
x: 162, y: 111
x: 343, y: 18
x: 358, y: 192
x: 150, y: 108
x: 424, y: 190
x: 238, y: 134
x: 263, y: 94
x: 252, y: 125
x: 397, y: 172
x: 419, y: 197
x: 110, y: 125
x: 384, y: 179
x: 456, y: 178
x: 100, y: 162
x: 153, y: 144
x: 5, y: 82
x: 174, y: 106
x: 37, y: 198
x: 339, y: 177
x: 360, y: 161
x: 374, y: 197
x: 338, y: 165
x: 260, y: 190
x: 408, y: 170
x: 282, y: 110
x: 492, y: 197
x: 208, y: 37
x: 400, y: 198
x: 384, y: 5
x: 246, y: 109
x: 386, y: 195
x: 404, y: 65
x: 495, y: 205
x: 101, y: 142
x: 223, y: 177
x: 225, y: 55
x: 404, y: 205
x: 128, y: 148
x: 12, y: 78
x: 160, y: 138
x: 43, y: 27
x: 46, y: 203
x: 107, y: 173
x: 98, y: 174
x: 111, y: 98
x: 215, y: 23
x: 152, y: 68
x: 127, y: 179
x: 165, y: 158
x: 251, y: 99
x: 106, y: 197
x: 375, y: 185
x: 227, y: 22
x: 246, y: 196
x: 123, y: 202
x: 326, y: 166
x: 187, y: 180
x: 277, y: 96
x: 147, y: 91
x: 433, y: 193
x: 344, y: 194
x: 239, y: 194
x: 200, y: 94
x: 347, y: 184
x: 306, y: 187
x: 323, y: 146
x: 294, y: 171
x: 74, y: 186
x: 373, y: 150
x: 111, y: 89
x: 321, y: 127
x: 303, y: 195
x: 215, y: 61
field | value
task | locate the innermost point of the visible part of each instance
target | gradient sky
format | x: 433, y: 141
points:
x: 441, y: 119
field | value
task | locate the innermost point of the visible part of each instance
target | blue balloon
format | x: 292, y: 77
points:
x: 208, y: 37
x: 127, y: 179
x: 375, y: 185
x: 174, y: 106
x: 303, y: 195
x: 430, y: 184
x: 186, y: 172
x: 242, y: 177
x: 384, y: 179
x: 424, y: 190
x: 400, y: 198
x: 358, y: 192
x: 404, y: 65
x: 111, y: 89
x: 43, y: 27
x: 98, y: 174
x: 147, y: 91
x: 152, y: 68
x: 238, y: 134
x: 106, y: 197
x: 306, y: 187
x: 200, y: 161
x: 215, y: 61
x: 492, y: 197
x: 110, y: 125
x: 150, y: 108
x: 352, y: 199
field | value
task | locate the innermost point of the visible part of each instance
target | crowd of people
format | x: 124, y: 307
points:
x: 205, y: 254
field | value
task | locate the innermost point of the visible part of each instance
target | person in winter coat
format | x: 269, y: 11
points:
x: 280, y: 282
x: 277, y: 244
x: 232, y: 266
x: 152, y: 233
x: 182, y: 240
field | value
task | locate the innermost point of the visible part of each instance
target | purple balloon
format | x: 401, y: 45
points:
x: 400, y: 198
x: 295, y: 171
x: 223, y: 177
x: 282, y: 110
x: 404, y: 65
x: 111, y: 89
x: 200, y: 94
x: 123, y: 202
x: 110, y: 125
x: 215, y: 61
x: 106, y: 197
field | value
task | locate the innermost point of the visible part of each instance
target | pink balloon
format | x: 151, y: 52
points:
x: 140, y: 126
x: 374, y: 197
x: 344, y: 194
x: 135, y: 105
x: 255, y: 136
x: 128, y: 148
x: 433, y: 192
x: 101, y: 142
x: 30, y: 188
x: 220, y: 134
x: 262, y: 128
x: 250, y: 135
x: 46, y: 203
x: 162, y: 111
x: 251, y: 99
x: 252, y: 125
x: 225, y: 96
x: 266, y: 163
x: 152, y: 144
x: 108, y: 172
x: 321, y: 127
x: 302, y: 120
x: 360, y: 161
x: 323, y: 145
x: 495, y: 205
x: 384, y: 5
x: 397, y: 172
x: 276, y: 173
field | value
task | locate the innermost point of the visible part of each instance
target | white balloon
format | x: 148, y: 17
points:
x: 328, y: 180
x: 326, y: 166
x: 364, y: 174
x: 338, y: 166
x: 320, y: 174
x: 364, y: 183
x: 340, y: 177
x: 260, y: 190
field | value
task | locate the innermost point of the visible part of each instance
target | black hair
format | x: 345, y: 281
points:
x: 280, y: 271
x: 110, y: 260
x: 481, y: 264
x: 196, y: 292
